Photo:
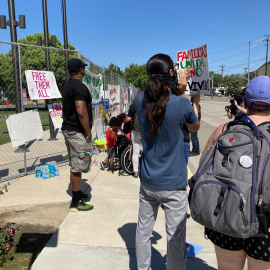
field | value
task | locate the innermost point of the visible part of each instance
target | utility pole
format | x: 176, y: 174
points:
x: 222, y: 69
x: 47, y: 56
x: 65, y: 36
x: 245, y: 71
x: 249, y: 61
x: 12, y: 23
x: 266, y: 62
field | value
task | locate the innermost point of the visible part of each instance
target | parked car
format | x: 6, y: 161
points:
x: 217, y: 93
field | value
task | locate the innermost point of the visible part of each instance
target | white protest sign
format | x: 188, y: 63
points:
x: 99, y: 130
x: 41, y: 84
x: 197, y: 60
x: 114, y: 99
x: 24, y: 127
x: 56, y: 114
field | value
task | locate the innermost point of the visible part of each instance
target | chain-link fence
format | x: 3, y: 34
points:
x: 14, y: 60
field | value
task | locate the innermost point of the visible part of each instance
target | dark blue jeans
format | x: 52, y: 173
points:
x: 195, y: 142
x: 186, y: 151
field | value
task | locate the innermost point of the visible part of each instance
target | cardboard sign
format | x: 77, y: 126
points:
x: 99, y: 130
x: 41, y: 84
x: 56, y: 114
x: 197, y: 60
x: 24, y: 127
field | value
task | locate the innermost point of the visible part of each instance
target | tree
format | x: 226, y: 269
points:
x: 115, y: 69
x: 136, y: 74
x: 32, y: 58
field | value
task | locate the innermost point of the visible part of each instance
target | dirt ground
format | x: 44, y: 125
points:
x: 33, y: 228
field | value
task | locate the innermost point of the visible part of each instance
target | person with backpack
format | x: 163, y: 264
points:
x: 161, y: 114
x: 230, y: 190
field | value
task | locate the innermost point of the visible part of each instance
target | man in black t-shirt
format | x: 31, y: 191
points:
x: 76, y: 128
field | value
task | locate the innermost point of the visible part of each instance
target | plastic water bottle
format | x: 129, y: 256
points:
x: 56, y: 172
x: 96, y: 150
x: 38, y: 172
x: 51, y: 168
x: 45, y: 172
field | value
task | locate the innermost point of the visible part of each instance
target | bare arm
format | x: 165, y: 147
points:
x: 230, y: 116
x: 128, y: 119
x: 196, y: 101
x: 83, y: 118
x: 212, y: 139
x: 111, y: 133
x: 242, y: 110
x: 194, y: 127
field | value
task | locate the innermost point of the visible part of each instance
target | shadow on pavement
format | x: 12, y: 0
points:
x: 128, y: 232
x: 85, y: 188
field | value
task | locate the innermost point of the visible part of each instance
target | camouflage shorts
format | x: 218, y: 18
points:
x: 79, y: 151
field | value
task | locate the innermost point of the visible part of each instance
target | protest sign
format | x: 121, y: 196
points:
x: 99, y: 130
x: 41, y: 84
x: 114, y: 99
x: 56, y: 114
x: 94, y: 84
x: 24, y: 127
x: 197, y: 60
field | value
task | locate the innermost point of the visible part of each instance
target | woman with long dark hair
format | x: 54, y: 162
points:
x: 163, y: 172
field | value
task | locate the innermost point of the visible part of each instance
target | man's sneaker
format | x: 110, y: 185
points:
x: 80, y: 207
x: 191, y: 153
x: 83, y: 196
x: 102, y: 166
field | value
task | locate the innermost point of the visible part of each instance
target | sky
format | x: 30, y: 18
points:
x: 125, y: 32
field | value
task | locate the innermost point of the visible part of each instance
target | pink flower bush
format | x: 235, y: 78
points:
x: 6, y: 240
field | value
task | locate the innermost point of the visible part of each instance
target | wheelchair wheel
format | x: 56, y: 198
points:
x: 126, y: 160
x: 116, y: 164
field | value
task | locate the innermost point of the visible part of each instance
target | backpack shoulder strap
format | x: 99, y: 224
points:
x: 246, y: 121
x: 265, y: 129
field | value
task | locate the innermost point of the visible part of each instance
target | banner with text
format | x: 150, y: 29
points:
x: 114, y: 99
x: 56, y: 114
x: 94, y: 84
x: 41, y: 84
x: 197, y: 60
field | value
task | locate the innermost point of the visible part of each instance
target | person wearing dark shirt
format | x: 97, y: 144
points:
x: 237, y: 110
x: 194, y: 135
x: 76, y: 128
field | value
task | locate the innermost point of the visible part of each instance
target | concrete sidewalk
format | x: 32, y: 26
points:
x: 103, y: 238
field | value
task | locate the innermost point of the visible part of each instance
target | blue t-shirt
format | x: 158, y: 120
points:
x: 163, y: 165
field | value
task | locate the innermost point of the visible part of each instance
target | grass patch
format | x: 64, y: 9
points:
x: 4, y: 135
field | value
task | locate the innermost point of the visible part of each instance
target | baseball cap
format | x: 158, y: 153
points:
x: 76, y: 64
x: 258, y: 90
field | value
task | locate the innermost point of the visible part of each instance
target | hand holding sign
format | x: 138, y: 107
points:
x: 195, y: 64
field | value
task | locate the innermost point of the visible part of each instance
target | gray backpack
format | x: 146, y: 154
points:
x: 230, y: 190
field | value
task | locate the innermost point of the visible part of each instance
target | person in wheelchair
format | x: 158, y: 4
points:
x: 111, y: 138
